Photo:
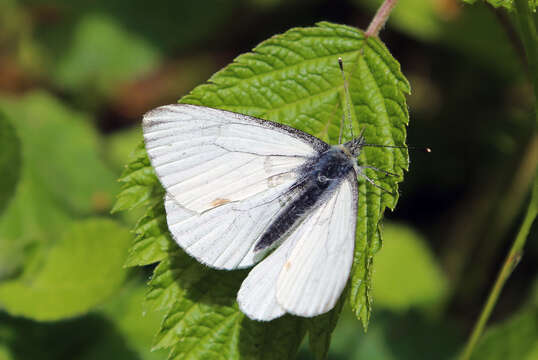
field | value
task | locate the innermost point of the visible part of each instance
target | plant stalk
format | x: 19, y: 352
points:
x: 511, y: 261
x: 527, y: 26
x: 380, y: 18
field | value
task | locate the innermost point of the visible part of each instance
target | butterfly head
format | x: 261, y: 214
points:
x: 354, y: 146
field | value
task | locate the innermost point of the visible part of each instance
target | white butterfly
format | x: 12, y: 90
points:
x: 238, y: 187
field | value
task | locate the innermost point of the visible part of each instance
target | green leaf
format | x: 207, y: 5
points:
x: 507, y: 4
x: 152, y: 241
x: 61, y: 149
x: 203, y: 318
x: 61, y: 176
x: 97, y: 59
x: 10, y: 161
x: 292, y: 79
x: 320, y: 329
x: 85, y: 338
x: 407, y: 273
x: 5, y: 354
x: 137, y: 326
x: 32, y: 219
x: 139, y: 182
x: 420, y: 18
x: 471, y: 32
x: 495, y: 3
x: 119, y: 146
x: 81, y: 270
x: 516, y: 338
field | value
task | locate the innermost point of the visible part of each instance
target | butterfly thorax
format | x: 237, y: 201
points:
x: 317, y: 179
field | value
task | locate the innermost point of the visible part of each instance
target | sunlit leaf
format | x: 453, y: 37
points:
x: 90, y: 337
x: 507, y: 4
x: 292, y: 79
x: 10, y: 160
x: 61, y: 152
x: 102, y: 54
x: 472, y: 32
x: 152, y: 242
x: 137, y: 326
x: 320, y: 330
x: 119, y: 146
x: 516, y: 338
x: 406, y: 272
x: 83, y: 268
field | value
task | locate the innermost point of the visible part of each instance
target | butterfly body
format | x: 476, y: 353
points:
x: 318, y: 178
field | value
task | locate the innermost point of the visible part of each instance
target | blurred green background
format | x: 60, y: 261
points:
x: 75, y: 78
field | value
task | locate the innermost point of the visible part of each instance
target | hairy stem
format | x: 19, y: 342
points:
x: 511, y: 261
x: 527, y: 27
x: 380, y: 18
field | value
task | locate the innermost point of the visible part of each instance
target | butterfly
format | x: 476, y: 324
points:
x: 242, y: 191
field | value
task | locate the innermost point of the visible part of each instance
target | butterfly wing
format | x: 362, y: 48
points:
x: 207, y: 157
x: 226, y: 176
x: 307, y: 273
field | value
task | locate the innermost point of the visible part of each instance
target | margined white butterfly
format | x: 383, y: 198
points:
x: 242, y: 191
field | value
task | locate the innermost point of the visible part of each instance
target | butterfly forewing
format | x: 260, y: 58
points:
x: 206, y: 157
x: 226, y: 177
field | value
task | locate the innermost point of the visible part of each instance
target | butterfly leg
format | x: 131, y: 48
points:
x: 361, y: 173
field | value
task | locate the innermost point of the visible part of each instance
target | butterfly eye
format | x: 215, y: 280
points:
x: 322, y: 178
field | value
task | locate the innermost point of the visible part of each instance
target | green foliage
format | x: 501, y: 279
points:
x: 417, y: 17
x: 261, y: 84
x: 203, y: 318
x: 60, y: 173
x: 394, y: 336
x: 292, y: 79
x: 81, y: 270
x: 117, y: 330
x: 61, y: 153
x: 137, y: 326
x: 53, y: 264
x: 92, y: 49
x: 119, y: 146
x: 113, y: 60
x: 10, y: 161
x: 96, y: 59
x: 507, y: 4
x: 320, y: 329
x: 406, y: 273
x: 516, y: 338
x: 449, y: 23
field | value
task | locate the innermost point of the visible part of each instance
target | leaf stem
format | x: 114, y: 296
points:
x: 380, y: 18
x: 527, y: 27
x: 511, y: 261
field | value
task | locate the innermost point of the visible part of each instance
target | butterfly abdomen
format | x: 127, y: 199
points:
x: 317, y: 180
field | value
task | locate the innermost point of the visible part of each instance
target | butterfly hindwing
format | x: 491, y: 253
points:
x: 307, y: 273
x: 225, y: 237
x: 318, y: 267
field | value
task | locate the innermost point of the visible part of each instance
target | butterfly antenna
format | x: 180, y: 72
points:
x: 347, y: 110
x: 425, y: 149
